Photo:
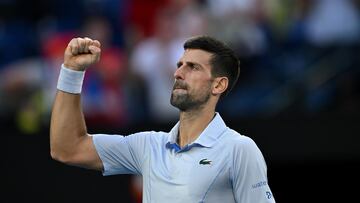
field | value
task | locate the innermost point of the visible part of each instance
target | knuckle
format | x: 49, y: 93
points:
x: 74, y: 46
x: 77, y: 41
x: 80, y: 41
x: 72, y: 42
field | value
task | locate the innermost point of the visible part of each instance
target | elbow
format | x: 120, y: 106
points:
x: 62, y: 151
x: 54, y: 155
x: 55, y: 152
x: 60, y: 157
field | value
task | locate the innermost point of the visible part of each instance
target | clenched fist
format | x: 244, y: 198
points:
x: 81, y: 53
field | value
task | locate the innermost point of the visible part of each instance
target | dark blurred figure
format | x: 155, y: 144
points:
x: 105, y: 102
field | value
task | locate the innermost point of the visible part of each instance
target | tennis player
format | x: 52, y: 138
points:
x: 199, y: 160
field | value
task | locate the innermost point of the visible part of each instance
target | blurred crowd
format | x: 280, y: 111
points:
x: 299, y: 57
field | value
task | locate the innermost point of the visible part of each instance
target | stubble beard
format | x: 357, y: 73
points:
x: 186, y: 102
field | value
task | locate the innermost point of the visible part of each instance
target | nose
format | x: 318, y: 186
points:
x: 179, y: 74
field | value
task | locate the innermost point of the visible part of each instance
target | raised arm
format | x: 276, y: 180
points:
x: 69, y: 141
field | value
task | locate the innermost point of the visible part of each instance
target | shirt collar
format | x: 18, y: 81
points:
x: 208, y: 136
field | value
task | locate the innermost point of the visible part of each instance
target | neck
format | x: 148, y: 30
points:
x: 192, y: 123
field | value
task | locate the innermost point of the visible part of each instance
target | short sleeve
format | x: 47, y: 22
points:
x: 122, y: 154
x: 249, y: 173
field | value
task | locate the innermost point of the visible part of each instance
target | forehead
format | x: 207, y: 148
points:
x: 197, y: 56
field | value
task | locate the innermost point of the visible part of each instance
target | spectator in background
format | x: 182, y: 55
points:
x: 239, y: 23
x: 21, y: 96
x: 142, y: 16
x: 153, y: 60
x: 333, y: 22
x: 191, y: 18
x: 105, y: 103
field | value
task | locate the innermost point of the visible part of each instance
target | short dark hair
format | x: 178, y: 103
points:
x: 223, y: 62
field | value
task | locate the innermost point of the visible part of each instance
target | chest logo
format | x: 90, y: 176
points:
x: 205, y: 162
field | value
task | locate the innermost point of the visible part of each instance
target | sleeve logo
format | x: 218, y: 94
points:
x: 268, y: 194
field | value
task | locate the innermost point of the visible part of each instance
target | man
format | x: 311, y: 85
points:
x: 199, y: 160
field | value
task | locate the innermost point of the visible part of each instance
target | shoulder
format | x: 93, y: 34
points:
x: 244, y: 152
x: 238, y: 140
x: 151, y: 136
x: 241, y: 145
x: 144, y: 136
x: 148, y: 133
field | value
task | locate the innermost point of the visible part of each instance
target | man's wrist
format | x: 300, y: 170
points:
x: 70, y: 80
x: 73, y: 67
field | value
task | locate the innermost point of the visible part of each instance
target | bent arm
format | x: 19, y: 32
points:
x: 69, y: 141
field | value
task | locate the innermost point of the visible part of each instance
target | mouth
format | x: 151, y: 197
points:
x: 179, y: 86
x: 179, y: 90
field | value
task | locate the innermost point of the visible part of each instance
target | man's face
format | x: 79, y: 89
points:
x: 193, y: 80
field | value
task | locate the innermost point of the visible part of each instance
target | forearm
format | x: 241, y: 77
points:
x: 67, y: 127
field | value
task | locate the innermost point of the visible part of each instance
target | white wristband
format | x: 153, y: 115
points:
x: 70, y: 81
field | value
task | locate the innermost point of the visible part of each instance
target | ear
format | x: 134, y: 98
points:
x: 220, y: 85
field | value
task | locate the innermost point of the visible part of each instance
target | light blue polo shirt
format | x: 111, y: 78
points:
x: 220, y: 166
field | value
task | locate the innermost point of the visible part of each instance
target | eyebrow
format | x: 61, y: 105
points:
x: 178, y: 64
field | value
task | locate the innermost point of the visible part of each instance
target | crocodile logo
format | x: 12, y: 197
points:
x: 205, y: 162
